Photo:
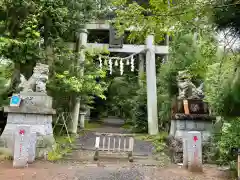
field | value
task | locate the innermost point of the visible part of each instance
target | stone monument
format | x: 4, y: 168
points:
x: 189, y: 113
x: 35, y: 110
x: 194, y: 151
x: 21, y: 141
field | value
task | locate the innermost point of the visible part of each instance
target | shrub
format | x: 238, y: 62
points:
x: 229, y: 139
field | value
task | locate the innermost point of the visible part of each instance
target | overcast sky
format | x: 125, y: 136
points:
x: 228, y: 40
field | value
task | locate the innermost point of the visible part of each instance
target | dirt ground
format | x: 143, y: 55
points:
x: 82, y: 167
x: 77, y: 171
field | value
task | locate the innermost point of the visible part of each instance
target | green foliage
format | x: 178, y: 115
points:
x: 67, y: 83
x: 159, y: 17
x: 6, y: 68
x: 120, y: 95
x: 5, y: 154
x: 227, y: 15
x: 229, y: 139
x: 195, y: 59
x: 63, y: 146
x: 33, y: 31
x: 129, y: 100
x: 223, y: 97
x: 92, y: 125
x: 139, y: 111
x: 157, y: 140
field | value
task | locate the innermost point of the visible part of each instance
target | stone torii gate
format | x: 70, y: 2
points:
x: 151, y: 51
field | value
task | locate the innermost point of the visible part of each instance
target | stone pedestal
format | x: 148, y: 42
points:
x: 82, y: 120
x: 87, y: 115
x: 179, y: 128
x: 35, y: 110
x: 181, y: 125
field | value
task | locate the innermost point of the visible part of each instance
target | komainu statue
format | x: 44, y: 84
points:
x: 187, y: 90
x: 37, y: 82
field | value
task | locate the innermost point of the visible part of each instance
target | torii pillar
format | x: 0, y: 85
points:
x: 151, y: 86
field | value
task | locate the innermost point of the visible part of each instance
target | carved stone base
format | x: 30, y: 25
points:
x: 36, y: 111
x: 180, y: 127
x: 178, y: 130
x: 175, y: 147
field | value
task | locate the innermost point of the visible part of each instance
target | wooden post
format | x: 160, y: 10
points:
x: 151, y: 86
x: 82, y: 44
x: 185, y: 106
x: 141, y: 69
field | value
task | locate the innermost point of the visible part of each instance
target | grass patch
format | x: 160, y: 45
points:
x: 63, y: 145
x: 92, y: 125
x: 5, y: 154
x: 157, y: 140
x: 127, y: 126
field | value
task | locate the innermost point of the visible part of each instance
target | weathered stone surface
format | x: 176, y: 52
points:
x: 200, y: 125
x: 190, y: 125
x: 194, y: 151
x: 187, y: 90
x: 180, y: 127
x: 21, y: 144
x: 180, y: 124
x: 38, y: 117
x: 33, y: 103
x: 36, y: 99
x: 175, y: 147
x: 206, y: 136
x: 32, y: 148
x: 30, y: 110
x: 173, y: 128
x: 44, y: 145
x: 208, y: 126
x: 185, y: 154
x: 37, y: 82
x: 180, y: 133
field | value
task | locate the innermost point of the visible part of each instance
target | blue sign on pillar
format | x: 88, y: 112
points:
x: 15, y: 101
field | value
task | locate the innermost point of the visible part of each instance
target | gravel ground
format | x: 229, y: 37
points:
x: 73, y: 171
x: 114, y: 169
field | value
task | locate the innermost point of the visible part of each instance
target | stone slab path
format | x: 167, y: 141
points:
x: 113, y: 125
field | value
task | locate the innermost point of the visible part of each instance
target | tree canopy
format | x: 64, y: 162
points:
x: 227, y: 15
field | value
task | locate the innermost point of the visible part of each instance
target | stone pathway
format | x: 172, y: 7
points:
x: 113, y: 125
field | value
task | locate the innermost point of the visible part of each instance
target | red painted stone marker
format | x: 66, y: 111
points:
x: 22, y: 132
x: 194, y: 150
x: 195, y: 138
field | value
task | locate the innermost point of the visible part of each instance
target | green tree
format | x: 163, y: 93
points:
x: 5, y: 75
x: 227, y: 15
x: 37, y: 31
x: 195, y: 59
x: 160, y: 17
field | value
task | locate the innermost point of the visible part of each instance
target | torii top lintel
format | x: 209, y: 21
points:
x: 127, y: 48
